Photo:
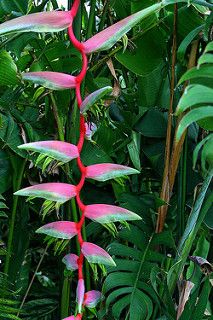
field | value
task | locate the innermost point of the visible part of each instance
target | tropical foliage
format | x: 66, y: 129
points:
x: 147, y: 112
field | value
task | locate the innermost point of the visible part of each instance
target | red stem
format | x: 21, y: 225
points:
x: 79, y: 79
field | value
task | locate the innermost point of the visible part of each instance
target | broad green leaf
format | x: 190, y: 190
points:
x: 51, y: 80
x: 38, y: 22
x: 93, y: 98
x: 61, y: 151
x: 193, y: 116
x: 106, y: 39
x: 8, y: 69
x: 146, y: 56
x: 192, y: 96
x: 107, y: 171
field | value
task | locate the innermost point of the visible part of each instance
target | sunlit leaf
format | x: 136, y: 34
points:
x: 194, y: 115
x: 192, y: 96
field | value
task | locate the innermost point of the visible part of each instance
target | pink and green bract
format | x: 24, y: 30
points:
x: 65, y: 152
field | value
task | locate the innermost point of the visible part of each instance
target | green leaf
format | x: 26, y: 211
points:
x: 192, y: 96
x: 202, y: 72
x: 193, y: 116
x: 8, y: 70
x: 148, y: 53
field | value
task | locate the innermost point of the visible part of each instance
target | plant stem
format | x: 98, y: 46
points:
x: 103, y: 16
x: 32, y: 280
x: 91, y: 18
x: 17, y: 185
x: 57, y: 118
x: 165, y: 185
x: 193, y: 225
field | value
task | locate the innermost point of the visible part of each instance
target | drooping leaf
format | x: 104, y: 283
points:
x: 192, y: 116
x: 54, y: 191
x: 106, y: 171
x: 92, y: 298
x: 38, y: 22
x: 80, y: 294
x: 71, y: 261
x: 203, y: 72
x: 93, y: 98
x: 59, y: 229
x: 51, y: 80
x: 192, y: 96
x: 95, y: 254
x: 104, y: 213
x: 59, y: 150
x: 105, y: 39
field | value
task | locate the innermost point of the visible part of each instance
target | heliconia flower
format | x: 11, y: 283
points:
x: 106, y: 171
x: 93, y: 98
x: 38, y: 22
x: 51, y: 80
x: 80, y: 294
x: 95, y: 254
x: 92, y: 298
x: 71, y: 261
x: 59, y: 150
x: 104, y: 213
x: 70, y: 318
x: 105, y: 39
x: 53, y: 191
x: 91, y: 128
x: 59, y: 229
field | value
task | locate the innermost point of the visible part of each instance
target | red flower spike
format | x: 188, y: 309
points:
x: 64, y: 152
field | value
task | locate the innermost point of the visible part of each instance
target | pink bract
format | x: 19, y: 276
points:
x: 59, y: 229
x: 95, y: 254
x: 91, y: 298
x: 106, y: 171
x: 38, y: 22
x: 51, y: 80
